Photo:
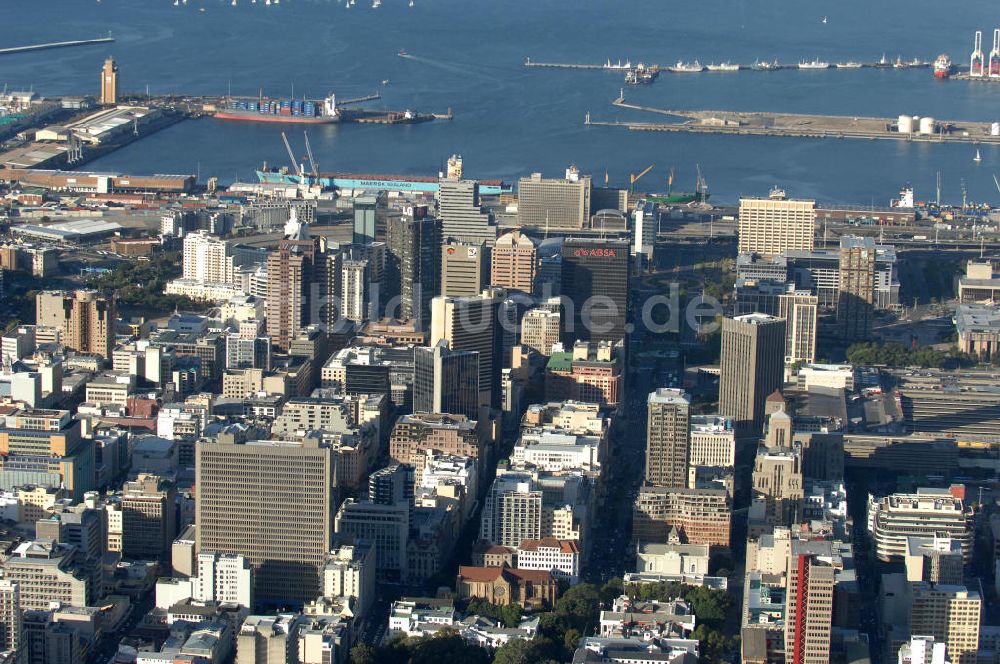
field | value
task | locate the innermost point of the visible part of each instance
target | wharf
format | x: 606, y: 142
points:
x: 49, y: 45
x: 620, y: 67
x: 744, y: 123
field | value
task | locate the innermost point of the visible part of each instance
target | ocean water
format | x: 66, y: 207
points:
x: 509, y: 120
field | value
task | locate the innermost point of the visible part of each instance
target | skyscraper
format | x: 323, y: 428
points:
x: 753, y: 351
x: 799, y: 310
x: 809, y: 602
x: 297, y: 283
x: 773, y: 225
x: 667, y: 431
x: 207, y: 258
x: 446, y: 381
x: 595, y: 278
x: 513, y: 262
x: 365, y: 208
x: 354, y: 290
x: 10, y: 615
x: 554, y: 203
x: 109, y: 82
x: 271, y: 502
x: 470, y: 324
x: 149, y: 517
x: 414, y: 263
x: 855, y: 304
x: 462, y: 268
x: 85, y: 318
x: 950, y: 614
x: 462, y: 217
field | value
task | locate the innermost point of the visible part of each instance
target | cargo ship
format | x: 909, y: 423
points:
x: 687, y: 67
x: 302, y: 111
x: 942, y: 66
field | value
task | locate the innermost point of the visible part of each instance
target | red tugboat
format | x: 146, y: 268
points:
x: 942, y: 66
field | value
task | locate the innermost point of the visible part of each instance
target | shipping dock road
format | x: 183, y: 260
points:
x: 60, y: 44
x: 743, y: 123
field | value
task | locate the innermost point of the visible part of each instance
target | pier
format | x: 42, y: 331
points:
x: 62, y: 44
x: 627, y: 66
x: 743, y: 123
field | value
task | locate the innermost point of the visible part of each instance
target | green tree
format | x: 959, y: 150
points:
x: 571, y: 640
x: 518, y: 651
x: 363, y: 654
x: 510, y: 615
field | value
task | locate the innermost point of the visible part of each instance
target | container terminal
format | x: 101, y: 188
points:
x: 749, y: 123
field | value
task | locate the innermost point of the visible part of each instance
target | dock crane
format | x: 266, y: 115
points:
x: 296, y: 167
x: 312, y: 162
x: 633, y: 178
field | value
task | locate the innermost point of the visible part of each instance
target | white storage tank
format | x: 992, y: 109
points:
x: 995, y: 129
x: 926, y: 125
x: 905, y: 124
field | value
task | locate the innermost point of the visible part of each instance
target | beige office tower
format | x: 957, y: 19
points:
x: 668, y: 426
x: 10, y: 615
x: 554, y: 203
x: 513, y: 262
x: 84, y: 318
x: 950, y: 614
x: 149, y: 517
x: 109, y: 82
x: 774, y: 225
x: 799, y: 309
x: 461, y: 270
x: 269, y: 501
x: 809, y: 603
x: 540, y: 329
x: 855, y: 303
x: 469, y: 323
x: 753, y: 351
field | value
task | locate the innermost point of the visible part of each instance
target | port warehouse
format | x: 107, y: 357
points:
x: 80, y: 231
x: 98, y: 183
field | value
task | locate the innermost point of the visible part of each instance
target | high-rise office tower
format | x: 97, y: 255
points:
x: 809, y: 602
x: 855, y: 304
x: 109, y: 82
x: 554, y: 203
x: 462, y: 269
x: 470, y: 324
x: 85, y: 319
x: 446, y: 381
x: 753, y: 351
x: 414, y: 263
x: 297, y: 283
x: 271, y: 502
x: 595, y: 278
x: 365, y: 209
x: 513, y: 262
x: 10, y: 615
x: 773, y: 225
x: 207, y: 258
x: 149, y: 517
x: 667, y: 431
x: 799, y: 309
x: 462, y: 217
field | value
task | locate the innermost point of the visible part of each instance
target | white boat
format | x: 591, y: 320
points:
x: 978, y: 158
x: 177, y: 2
x: 724, y: 66
x: 233, y: 3
x: 761, y: 65
x: 687, y: 67
x: 618, y: 65
x: 411, y: 3
x: 815, y: 64
x: 376, y: 4
x: 850, y: 64
x: 824, y: 19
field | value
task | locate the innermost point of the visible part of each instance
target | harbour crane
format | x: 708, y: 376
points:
x: 633, y: 178
x: 291, y: 156
x: 312, y: 162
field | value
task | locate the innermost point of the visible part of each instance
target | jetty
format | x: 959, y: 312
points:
x: 60, y: 44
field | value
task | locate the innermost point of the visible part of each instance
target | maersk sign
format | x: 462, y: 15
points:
x: 402, y: 183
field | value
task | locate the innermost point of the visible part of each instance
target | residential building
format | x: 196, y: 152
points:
x: 10, y: 615
x: 513, y: 262
x: 753, y: 351
x: 560, y: 557
x: 207, y: 259
x: 85, y: 319
x: 856, y: 301
x: 774, y: 225
x: 223, y: 577
x: 667, y: 432
x: 296, y: 276
x: 281, y: 521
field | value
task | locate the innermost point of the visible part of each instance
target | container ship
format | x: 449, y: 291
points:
x: 303, y: 111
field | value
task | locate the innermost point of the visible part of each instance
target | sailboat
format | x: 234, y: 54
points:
x: 978, y: 158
